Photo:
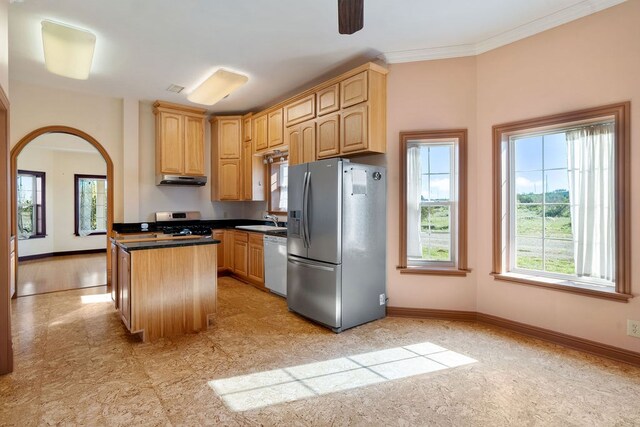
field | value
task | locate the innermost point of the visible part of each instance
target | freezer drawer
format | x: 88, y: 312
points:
x: 314, y: 290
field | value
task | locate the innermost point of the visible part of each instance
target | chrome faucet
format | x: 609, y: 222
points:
x: 272, y: 218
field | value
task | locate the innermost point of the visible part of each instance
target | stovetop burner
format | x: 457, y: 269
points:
x: 186, y: 230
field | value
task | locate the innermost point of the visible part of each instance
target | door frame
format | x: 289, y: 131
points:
x: 6, y: 350
x: 17, y: 149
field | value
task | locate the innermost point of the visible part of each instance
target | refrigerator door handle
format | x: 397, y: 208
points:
x: 315, y: 266
x: 305, y: 209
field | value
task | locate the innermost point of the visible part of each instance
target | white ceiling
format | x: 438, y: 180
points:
x: 143, y: 46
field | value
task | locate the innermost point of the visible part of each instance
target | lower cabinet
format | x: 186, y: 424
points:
x: 256, y: 258
x: 240, y: 254
x: 124, y: 287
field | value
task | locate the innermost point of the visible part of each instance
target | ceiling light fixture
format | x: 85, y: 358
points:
x: 68, y: 51
x: 217, y: 86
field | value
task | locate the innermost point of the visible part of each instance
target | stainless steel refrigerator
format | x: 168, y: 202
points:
x: 336, y: 242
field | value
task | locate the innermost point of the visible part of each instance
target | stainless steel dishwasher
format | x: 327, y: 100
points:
x: 275, y: 264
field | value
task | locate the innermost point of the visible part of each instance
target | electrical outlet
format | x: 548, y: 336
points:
x: 633, y: 328
x: 382, y: 299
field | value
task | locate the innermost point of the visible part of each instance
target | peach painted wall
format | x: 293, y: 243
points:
x: 429, y: 95
x: 589, y: 62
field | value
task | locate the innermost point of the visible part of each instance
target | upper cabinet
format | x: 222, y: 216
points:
x: 300, y: 110
x: 247, y: 127
x: 349, y: 114
x: 236, y: 173
x: 275, y: 134
x: 353, y: 90
x: 179, y: 139
x: 328, y: 99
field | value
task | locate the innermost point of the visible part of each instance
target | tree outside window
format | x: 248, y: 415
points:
x: 90, y: 204
x: 31, y: 204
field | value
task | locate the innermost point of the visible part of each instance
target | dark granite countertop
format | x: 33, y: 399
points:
x: 217, y: 224
x: 161, y: 244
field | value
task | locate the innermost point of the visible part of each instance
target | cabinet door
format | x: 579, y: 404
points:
x: 219, y: 235
x: 293, y: 141
x: 246, y: 128
x: 328, y: 100
x: 229, y: 138
x: 300, y: 110
x: 240, y: 254
x: 170, y: 143
x: 353, y: 90
x: 353, y: 129
x: 229, y: 180
x: 229, y: 248
x: 328, y: 136
x: 114, y: 274
x: 193, y: 146
x: 308, y: 141
x: 124, y: 286
x: 256, y: 258
x: 247, y: 172
x: 260, y: 127
x: 275, y: 129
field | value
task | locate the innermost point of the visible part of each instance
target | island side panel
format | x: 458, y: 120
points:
x: 175, y: 290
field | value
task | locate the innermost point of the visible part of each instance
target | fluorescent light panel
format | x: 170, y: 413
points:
x: 217, y: 86
x: 68, y: 51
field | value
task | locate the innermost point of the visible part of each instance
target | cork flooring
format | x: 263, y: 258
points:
x: 261, y: 365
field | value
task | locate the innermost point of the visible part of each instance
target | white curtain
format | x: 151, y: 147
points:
x: 84, y: 216
x: 414, y: 190
x: 591, y: 161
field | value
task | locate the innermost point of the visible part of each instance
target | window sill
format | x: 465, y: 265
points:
x: 35, y: 236
x: 575, y: 288
x: 97, y: 233
x: 442, y: 271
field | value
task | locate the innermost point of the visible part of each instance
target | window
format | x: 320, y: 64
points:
x: 278, y: 184
x: 31, y: 204
x: 562, y: 201
x: 433, y: 205
x: 91, y: 204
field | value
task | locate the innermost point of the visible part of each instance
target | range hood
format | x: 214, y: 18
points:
x: 197, y: 181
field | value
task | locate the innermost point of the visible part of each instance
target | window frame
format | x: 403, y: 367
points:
x: 76, y: 202
x: 502, y: 199
x: 458, y: 265
x: 42, y: 175
x: 268, y: 180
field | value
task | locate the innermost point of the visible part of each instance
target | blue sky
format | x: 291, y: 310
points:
x: 529, y: 163
x: 439, y: 160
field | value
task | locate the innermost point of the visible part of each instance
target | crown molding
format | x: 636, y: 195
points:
x: 571, y: 13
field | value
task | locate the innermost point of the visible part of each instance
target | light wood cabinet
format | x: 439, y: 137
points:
x: 12, y: 267
x: 229, y: 248
x: 353, y: 129
x: 228, y: 138
x: 247, y: 127
x: 300, y: 110
x: 260, y: 131
x: 179, y: 139
x: 353, y: 90
x: 275, y: 134
x: 255, y: 271
x: 113, y: 276
x: 301, y: 140
x: 124, y: 287
x: 228, y: 185
x: 328, y: 136
x: 328, y: 99
x: 241, y: 253
x: 220, y: 235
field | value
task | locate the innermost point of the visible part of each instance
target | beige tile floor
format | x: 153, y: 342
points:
x: 261, y: 365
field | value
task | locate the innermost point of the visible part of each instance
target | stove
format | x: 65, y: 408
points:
x: 181, y: 224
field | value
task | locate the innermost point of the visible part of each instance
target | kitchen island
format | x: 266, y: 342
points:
x: 165, y: 286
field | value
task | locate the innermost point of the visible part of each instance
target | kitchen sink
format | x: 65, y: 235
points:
x: 261, y: 228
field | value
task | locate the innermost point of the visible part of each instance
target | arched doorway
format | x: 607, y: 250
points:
x: 18, y: 148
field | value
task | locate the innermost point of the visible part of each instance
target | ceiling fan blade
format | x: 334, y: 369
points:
x: 350, y: 16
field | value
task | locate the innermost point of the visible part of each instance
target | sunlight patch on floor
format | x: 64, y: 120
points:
x: 97, y: 298
x: 246, y: 392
